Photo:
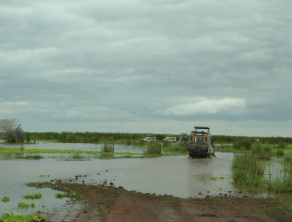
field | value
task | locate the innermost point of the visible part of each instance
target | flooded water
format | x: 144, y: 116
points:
x: 179, y: 176
x: 75, y: 146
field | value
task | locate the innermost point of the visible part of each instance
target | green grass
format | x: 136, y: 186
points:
x: 5, y: 199
x: 247, y: 170
x: 26, y: 205
x: 61, y: 195
x: 32, y: 196
x: 22, y: 218
x: 72, y: 193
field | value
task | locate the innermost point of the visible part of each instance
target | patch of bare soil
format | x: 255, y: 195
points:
x: 118, y: 205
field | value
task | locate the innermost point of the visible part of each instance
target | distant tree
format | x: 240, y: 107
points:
x: 10, y: 132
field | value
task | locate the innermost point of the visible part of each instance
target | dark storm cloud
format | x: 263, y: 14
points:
x: 142, y: 62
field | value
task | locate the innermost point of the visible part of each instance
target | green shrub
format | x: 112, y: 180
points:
x: 154, y: 148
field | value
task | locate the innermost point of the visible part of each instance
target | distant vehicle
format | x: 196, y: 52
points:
x: 183, y: 139
x: 169, y: 139
x: 149, y: 139
x: 201, y: 143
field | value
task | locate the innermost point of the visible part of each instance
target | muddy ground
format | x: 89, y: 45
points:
x: 101, y: 203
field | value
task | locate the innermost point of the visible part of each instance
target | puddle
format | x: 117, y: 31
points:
x: 179, y: 176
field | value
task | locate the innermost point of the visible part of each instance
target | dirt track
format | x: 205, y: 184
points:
x: 117, y: 205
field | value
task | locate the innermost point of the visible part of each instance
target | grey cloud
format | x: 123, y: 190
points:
x: 141, y: 61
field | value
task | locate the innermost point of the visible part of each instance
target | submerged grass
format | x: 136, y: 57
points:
x: 247, y: 170
x: 35, y: 157
x: 33, y: 151
x: 22, y: 217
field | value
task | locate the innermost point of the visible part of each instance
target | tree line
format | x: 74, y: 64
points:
x: 12, y: 132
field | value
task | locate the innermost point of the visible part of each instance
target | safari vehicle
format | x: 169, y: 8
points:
x: 169, y: 139
x: 183, y: 139
x: 201, y: 143
x: 149, y: 139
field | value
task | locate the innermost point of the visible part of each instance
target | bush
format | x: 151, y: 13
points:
x: 154, y: 148
x: 108, y: 148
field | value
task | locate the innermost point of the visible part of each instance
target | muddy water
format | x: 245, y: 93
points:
x: 75, y: 146
x: 173, y: 175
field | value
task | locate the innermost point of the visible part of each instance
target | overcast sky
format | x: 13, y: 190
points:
x: 147, y: 66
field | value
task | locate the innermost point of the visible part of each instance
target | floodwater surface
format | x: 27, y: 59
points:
x: 179, y: 175
x: 75, y: 146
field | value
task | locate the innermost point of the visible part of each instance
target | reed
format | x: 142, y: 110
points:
x: 262, y: 152
x: 247, y: 170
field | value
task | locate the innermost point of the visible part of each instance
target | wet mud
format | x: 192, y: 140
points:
x: 109, y: 203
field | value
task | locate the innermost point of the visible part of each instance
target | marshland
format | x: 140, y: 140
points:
x: 244, y: 167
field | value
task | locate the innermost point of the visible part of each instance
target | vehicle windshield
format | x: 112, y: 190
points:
x: 199, y: 139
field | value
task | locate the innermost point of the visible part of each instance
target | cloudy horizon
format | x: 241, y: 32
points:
x: 147, y: 66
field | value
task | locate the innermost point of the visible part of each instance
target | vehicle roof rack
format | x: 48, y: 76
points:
x: 201, y: 127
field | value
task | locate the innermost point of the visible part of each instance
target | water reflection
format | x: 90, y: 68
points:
x: 76, y: 146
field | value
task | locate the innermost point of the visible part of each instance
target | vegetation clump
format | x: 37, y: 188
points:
x: 26, y: 205
x: 247, y: 170
x: 154, y: 148
x: 22, y: 217
x: 108, y: 148
x: 5, y: 199
x: 32, y: 196
x: 61, y: 195
x: 262, y: 152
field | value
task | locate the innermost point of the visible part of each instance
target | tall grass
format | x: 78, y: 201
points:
x: 262, y: 152
x: 247, y: 170
x: 154, y: 148
x: 280, y: 184
x: 242, y: 143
